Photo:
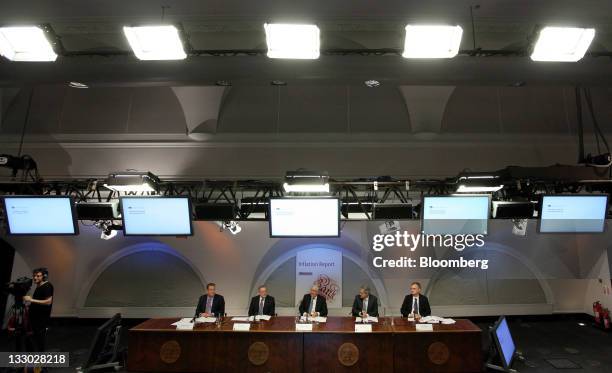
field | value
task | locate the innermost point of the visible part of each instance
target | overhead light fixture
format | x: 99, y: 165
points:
x: 77, y: 85
x: 302, y: 181
x: 372, y: 83
x: 108, y: 230
x: 562, y: 44
x: 478, y: 189
x: 478, y: 183
x: 423, y: 41
x: 232, y: 226
x: 25, y: 43
x: 292, y: 41
x: 132, y: 182
x: 155, y: 42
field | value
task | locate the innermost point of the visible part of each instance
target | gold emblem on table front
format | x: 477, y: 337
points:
x: 258, y: 353
x: 438, y: 353
x: 170, y: 352
x: 348, y: 354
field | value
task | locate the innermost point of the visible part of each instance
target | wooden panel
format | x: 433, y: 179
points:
x: 449, y: 348
x: 275, y: 346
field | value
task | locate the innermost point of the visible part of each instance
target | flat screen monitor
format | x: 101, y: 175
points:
x: 156, y: 216
x: 36, y: 215
x: 304, y: 217
x: 504, y: 342
x: 455, y: 214
x: 573, y: 213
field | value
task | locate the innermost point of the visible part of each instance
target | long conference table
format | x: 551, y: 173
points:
x: 393, y: 345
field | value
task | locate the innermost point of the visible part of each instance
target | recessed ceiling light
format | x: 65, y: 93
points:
x: 431, y: 41
x: 77, y: 85
x: 25, y: 43
x: 155, y: 42
x: 278, y: 82
x: 223, y: 83
x: 372, y: 83
x: 292, y: 41
x: 562, y: 44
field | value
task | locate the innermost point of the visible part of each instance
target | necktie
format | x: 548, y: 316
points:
x: 261, y: 304
x: 209, y: 304
x: 415, y: 306
x: 365, y: 305
x: 313, y: 305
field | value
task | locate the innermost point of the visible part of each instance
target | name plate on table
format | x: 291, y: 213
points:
x: 363, y: 328
x: 303, y: 327
x: 240, y: 327
x: 424, y: 328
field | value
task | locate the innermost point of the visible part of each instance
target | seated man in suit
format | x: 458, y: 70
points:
x: 415, y: 303
x: 313, y: 304
x: 211, y: 303
x: 262, y: 304
x: 365, y: 304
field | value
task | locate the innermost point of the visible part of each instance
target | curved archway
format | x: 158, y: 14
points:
x: 128, y: 251
x: 505, y: 250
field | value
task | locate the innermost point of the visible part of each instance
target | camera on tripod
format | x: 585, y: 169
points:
x: 19, y: 288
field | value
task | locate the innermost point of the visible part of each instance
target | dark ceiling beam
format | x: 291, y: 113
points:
x: 351, y: 69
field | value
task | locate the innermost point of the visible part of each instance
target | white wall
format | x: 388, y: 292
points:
x: 567, y: 269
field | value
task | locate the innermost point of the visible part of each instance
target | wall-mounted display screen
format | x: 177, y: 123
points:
x: 573, y: 213
x: 455, y: 214
x: 48, y: 215
x: 304, y: 217
x: 156, y: 216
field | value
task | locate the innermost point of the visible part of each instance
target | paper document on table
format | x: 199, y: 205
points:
x: 448, y: 321
x: 320, y: 319
x: 241, y: 318
x: 263, y: 317
x: 184, y: 327
x: 184, y: 321
x: 424, y: 328
x: 206, y: 319
x: 368, y: 319
x: 431, y: 319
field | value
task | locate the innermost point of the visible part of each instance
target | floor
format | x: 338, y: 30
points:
x: 560, y: 340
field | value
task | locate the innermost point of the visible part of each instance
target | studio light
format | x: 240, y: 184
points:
x: 232, y: 226
x: 562, y: 44
x: 132, y: 182
x: 478, y: 183
x: 431, y: 41
x: 25, y: 43
x: 155, y: 42
x: 108, y: 230
x: 478, y: 189
x: 292, y: 41
x: 302, y: 181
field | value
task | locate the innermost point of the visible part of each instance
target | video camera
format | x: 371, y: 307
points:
x: 19, y: 288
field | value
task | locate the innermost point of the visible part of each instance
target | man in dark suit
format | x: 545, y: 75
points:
x: 365, y: 304
x: 211, y: 303
x: 415, y: 303
x: 262, y: 304
x: 313, y: 304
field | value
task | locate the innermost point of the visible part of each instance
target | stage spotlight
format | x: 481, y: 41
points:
x: 292, y: 41
x: 432, y: 41
x: 155, y: 42
x: 478, y: 183
x: 303, y: 181
x: 562, y: 44
x: 25, y: 43
x: 107, y: 229
x: 232, y: 226
x: 132, y: 182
